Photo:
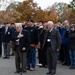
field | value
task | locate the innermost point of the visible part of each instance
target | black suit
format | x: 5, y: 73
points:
x: 24, y: 41
x: 55, y: 39
x: 6, y: 38
x: 53, y: 43
x: 20, y: 56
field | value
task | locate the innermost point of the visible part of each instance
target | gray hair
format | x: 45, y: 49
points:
x: 50, y: 23
x: 18, y: 25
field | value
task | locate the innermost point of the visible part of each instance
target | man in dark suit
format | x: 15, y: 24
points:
x: 52, y: 40
x: 22, y: 42
x: 6, y: 39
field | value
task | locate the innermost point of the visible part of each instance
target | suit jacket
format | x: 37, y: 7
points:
x: 71, y: 36
x: 6, y: 37
x: 55, y: 39
x: 24, y: 41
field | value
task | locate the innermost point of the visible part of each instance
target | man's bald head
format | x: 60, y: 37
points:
x: 50, y: 24
x: 18, y: 27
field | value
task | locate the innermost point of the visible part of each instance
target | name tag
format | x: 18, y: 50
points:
x: 17, y: 42
x: 48, y: 40
x: 8, y: 32
x: 31, y: 30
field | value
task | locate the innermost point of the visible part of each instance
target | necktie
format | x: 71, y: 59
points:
x: 6, y: 29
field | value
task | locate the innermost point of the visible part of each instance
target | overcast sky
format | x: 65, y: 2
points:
x: 45, y: 3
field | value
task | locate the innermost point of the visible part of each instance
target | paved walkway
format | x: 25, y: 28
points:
x: 7, y: 67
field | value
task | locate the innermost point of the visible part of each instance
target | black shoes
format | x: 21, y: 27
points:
x: 45, y: 66
x: 48, y: 73
x: 72, y: 67
x: 23, y: 71
x: 6, y: 57
x: 17, y: 71
x: 20, y: 71
x: 51, y: 73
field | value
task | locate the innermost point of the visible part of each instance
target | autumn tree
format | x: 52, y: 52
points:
x: 12, y: 6
x: 59, y: 7
x: 72, y: 5
x: 27, y: 9
x: 5, y: 3
x: 51, y: 14
x: 39, y: 14
x: 69, y: 13
x: 21, y: 11
x: 72, y: 15
x: 9, y: 16
x: 65, y: 14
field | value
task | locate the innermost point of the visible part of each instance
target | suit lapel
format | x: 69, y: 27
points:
x: 4, y: 30
x: 52, y: 32
x: 22, y: 32
x: 46, y: 34
x: 7, y: 30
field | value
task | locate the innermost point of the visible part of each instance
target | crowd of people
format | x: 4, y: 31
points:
x: 53, y: 41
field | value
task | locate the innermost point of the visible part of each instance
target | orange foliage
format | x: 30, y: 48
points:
x: 10, y: 16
